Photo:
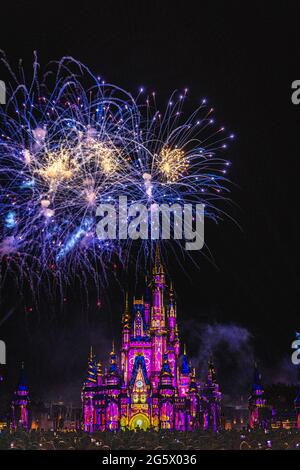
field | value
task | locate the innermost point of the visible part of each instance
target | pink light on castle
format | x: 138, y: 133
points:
x: 19, y: 405
x: 150, y: 384
x: 258, y: 411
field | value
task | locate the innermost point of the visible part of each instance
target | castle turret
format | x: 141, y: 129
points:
x: 92, y: 369
x: 257, y: 403
x: 166, y: 373
x: 113, y: 390
x: 158, y: 320
x: 20, y: 402
x: 125, y: 339
x: 158, y: 287
x: 113, y: 376
x: 177, y: 342
x: 184, y: 375
x: 139, y: 324
x: 193, y: 419
x: 171, y: 314
x: 211, y: 398
x: 99, y: 373
x: 173, y: 346
x: 166, y: 392
x: 88, y: 392
x: 147, y: 310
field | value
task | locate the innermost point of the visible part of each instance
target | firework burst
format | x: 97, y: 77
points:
x: 69, y: 141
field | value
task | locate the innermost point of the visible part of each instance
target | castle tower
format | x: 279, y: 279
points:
x: 20, y: 402
x: 147, y: 302
x: 184, y: 375
x: 211, y: 401
x: 297, y: 409
x: 125, y: 339
x: 193, y: 419
x: 257, y: 403
x: 88, y: 393
x: 113, y: 390
x: 99, y: 374
x: 158, y: 319
x: 171, y: 315
x: 166, y: 393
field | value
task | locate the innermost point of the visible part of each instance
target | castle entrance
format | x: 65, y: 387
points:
x: 139, y: 421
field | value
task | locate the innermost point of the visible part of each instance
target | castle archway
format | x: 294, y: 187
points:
x: 139, y: 421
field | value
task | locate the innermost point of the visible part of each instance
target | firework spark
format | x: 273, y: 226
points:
x: 172, y: 164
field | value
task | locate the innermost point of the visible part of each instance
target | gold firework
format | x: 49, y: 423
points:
x: 104, y: 155
x: 172, y: 163
x: 59, y: 166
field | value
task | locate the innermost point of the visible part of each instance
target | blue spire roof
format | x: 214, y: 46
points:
x: 297, y: 399
x: 22, y: 382
x: 147, y: 293
x: 165, y: 370
x: 257, y: 385
x: 139, y: 362
x: 139, y: 307
x: 113, y: 369
x: 185, y: 368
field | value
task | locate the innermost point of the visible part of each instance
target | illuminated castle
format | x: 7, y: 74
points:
x: 151, y: 383
x: 258, y: 411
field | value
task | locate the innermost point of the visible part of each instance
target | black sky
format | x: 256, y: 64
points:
x: 242, y: 58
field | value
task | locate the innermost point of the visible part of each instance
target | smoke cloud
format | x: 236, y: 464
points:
x: 230, y: 346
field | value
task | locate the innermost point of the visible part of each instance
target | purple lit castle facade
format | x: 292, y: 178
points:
x: 259, y: 416
x: 150, y: 384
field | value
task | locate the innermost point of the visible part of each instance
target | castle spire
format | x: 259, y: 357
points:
x: 166, y: 374
x: 92, y: 368
x: 113, y: 360
x: 158, y: 286
x: 211, y: 376
x: 212, y: 396
x: 165, y: 370
x: 20, y: 402
x: 158, y: 267
x: 172, y: 306
x: 257, y: 402
x: 22, y: 382
x: 185, y: 368
x: 99, y: 369
x: 171, y: 288
x: 126, y: 314
x: 193, y: 383
x: 257, y: 384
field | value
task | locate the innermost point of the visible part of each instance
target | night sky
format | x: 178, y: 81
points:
x: 243, y: 59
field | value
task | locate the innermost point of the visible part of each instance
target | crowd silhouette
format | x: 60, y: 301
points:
x: 150, y: 440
